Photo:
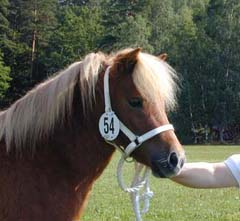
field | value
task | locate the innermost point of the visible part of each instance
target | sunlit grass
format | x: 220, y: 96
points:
x: 171, y: 202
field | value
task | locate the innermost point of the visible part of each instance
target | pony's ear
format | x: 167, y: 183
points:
x: 126, y: 61
x: 163, y: 56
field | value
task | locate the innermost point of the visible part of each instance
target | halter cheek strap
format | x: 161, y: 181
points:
x: 136, y: 141
x: 106, y: 91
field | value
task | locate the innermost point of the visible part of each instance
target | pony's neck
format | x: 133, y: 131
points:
x: 81, y: 144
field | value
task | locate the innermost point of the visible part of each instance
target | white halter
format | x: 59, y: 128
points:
x: 109, y: 121
x: 136, y: 141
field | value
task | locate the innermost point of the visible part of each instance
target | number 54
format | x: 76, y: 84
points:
x: 108, y: 126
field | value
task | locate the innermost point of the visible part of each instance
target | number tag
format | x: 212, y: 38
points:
x: 109, y: 126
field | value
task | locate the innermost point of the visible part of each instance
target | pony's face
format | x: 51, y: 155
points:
x: 142, y: 113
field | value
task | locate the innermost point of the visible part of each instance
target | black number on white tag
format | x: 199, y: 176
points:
x: 108, y: 126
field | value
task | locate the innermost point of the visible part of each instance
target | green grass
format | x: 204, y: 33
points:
x: 171, y: 202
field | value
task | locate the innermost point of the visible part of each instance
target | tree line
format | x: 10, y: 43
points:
x: 201, y: 38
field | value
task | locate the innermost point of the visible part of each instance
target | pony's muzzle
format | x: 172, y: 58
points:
x: 167, y: 165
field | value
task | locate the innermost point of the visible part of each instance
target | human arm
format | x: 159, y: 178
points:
x: 210, y: 175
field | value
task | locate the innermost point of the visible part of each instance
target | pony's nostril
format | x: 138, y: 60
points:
x: 173, y: 159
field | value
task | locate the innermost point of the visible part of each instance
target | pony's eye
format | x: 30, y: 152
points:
x: 136, y: 102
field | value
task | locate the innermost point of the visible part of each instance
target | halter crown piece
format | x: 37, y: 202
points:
x: 110, y: 127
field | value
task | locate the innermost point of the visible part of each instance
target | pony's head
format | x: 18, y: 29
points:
x: 142, y: 89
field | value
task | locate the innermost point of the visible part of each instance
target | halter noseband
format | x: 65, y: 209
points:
x: 110, y: 125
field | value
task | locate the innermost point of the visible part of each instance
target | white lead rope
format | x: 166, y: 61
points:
x: 110, y: 127
x: 140, y: 182
x: 147, y: 193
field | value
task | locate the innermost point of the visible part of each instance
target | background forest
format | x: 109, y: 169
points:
x: 201, y: 38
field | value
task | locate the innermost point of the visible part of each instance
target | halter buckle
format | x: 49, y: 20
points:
x: 137, y: 142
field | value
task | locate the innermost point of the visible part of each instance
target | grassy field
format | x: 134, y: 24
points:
x: 171, y: 202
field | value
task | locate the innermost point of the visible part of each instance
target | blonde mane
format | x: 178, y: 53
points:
x: 156, y: 80
x: 34, y: 116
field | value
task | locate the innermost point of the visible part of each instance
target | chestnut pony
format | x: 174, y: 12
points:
x: 51, y: 151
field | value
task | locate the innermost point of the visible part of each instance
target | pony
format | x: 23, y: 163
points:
x: 51, y: 151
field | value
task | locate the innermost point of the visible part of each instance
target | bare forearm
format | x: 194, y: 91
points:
x: 205, y: 175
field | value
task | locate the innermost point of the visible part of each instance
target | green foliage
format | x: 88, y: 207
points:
x: 78, y: 33
x: 163, y: 23
x: 3, y: 20
x: 125, y: 24
x: 134, y: 32
x: 4, y: 77
x: 223, y: 28
x: 30, y: 26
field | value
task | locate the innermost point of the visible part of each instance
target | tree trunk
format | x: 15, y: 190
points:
x: 33, y: 56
